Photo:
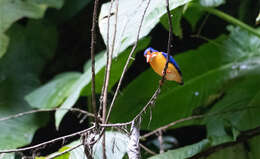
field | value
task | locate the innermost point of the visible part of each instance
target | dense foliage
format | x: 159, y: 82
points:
x: 45, y: 64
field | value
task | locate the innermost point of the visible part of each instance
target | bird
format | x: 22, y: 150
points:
x: 158, y: 60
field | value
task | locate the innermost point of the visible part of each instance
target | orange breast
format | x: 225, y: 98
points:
x: 158, y: 64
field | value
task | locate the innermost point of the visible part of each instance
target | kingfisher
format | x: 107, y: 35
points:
x: 158, y: 60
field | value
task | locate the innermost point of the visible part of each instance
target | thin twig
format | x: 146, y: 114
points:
x: 171, y: 124
x: 47, y: 142
x: 124, y: 124
x: 195, y: 117
x: 202, y: 24
x: 103, y: 103
x: 103, y: 97
x: 45, y: 110
x: 63, y: 152
x: 127, y: 63
x: 147, y: 149
x: 87, y: 148
x: 169, y: 42
x: 92, y: 51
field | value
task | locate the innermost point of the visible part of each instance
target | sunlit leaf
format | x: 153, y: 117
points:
x: 211, y: 3
x: 258, y: 18
x: 129, y: 18
x: 7, y: 156
x: 53, y: 93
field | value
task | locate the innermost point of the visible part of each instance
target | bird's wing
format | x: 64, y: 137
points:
x: 171, y: 60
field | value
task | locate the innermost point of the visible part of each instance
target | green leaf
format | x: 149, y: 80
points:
x: 254, y: 147
x: 211, y: 3
x: 176, y: 16
x: 184, y: 152
x: 205, y: 73
x: 14, y: 10
x: 129, y: 18
x: 242, y: 101
x: 4, y: 40
x: 116, y: 147
x: 78, y: 86
x: 30, y: 48
x: 216, y: 131
x: 234, y: 152
x: 193, y: 15
x: 84, y: 80
x: 53, y: 93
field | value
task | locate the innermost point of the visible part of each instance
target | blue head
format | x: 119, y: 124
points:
x: 149, y: 50
x: 148, y: 54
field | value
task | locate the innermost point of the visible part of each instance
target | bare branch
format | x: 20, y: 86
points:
x: 45, y: 110
x: 194, y: 117
x: 47, y: 142
x: 171, y: 124
x: 127, y: 62
x: 106, y: 80
x: 63, y: 152
x: 92, y: 51
x: 169, y: 42
x: 86, y: 138
x: 147, y: 149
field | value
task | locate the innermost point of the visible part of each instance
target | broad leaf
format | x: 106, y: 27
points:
x: 193, y: 15
x: 205, y: 72
x: 30, y: 48
x: 254, y: 147
x: 13, y: 10
x: 176, y: 16
x: 185, y: 152
x: 53, y: 93
x: 237, y: 152
x: 129, y: 19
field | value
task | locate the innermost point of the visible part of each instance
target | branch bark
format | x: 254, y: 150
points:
x: 92, y: 51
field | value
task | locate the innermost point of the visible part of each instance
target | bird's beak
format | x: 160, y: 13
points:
x: 148, y: 58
